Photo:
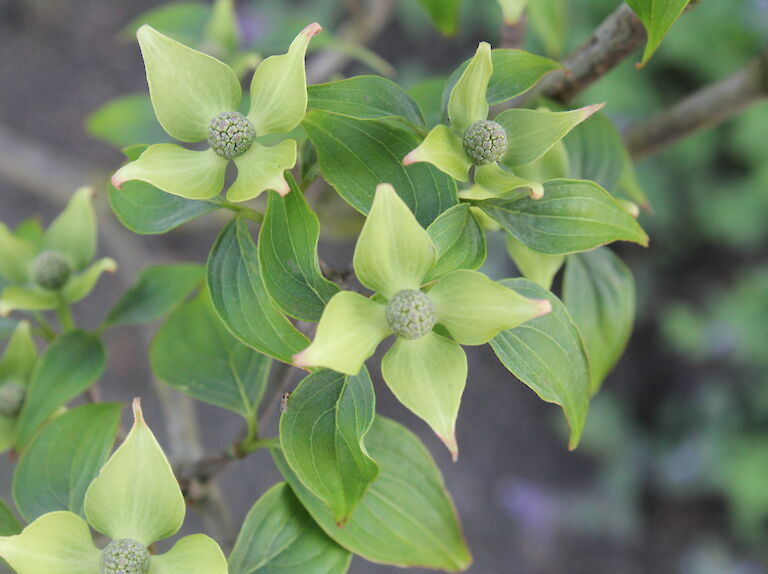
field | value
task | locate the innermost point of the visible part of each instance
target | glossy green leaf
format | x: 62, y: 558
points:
x: 443, y: 149
x: 357, y: 155
x: 351, y: 328
x: 514, y: 73
x: 241, y: 300
x: 70, y: 364
x: 537, y: 267
x: 428, y: 375
x: 146, y: 210
x: 194, y: 353
x: 280, y: 537
x: 444, y: 14
x: 55, y: 470
x: 261, y: 168
x: 365, y: 98
x: 73, y: 232
x: 55, y: 543
x: 547, y: 355
x: 475, y: 308
x: 531, y: 133
x: 136, y: 494
x: 572, y: 216
x: 459, y: 239
x: 125, y: 121
x: 288, y: 256
x: 16, y: 254
x: 406, y: 518
x: 279, y: 88
x: 599, y: 291
x: 184, y: 21
x: 468, y: 103
x: 188, y: 88
x: 393, y: 251
x: 176, y: 170
x: 322, y: 437
x: 20, y: 355
x: 596, y: 151
x: 194, y: 554
x: 657, y: 16
x: 158, y: 290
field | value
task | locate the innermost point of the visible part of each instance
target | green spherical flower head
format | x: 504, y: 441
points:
x: 51, y: 270
x: 124, y: 556
x: 231, y: 134
x: 411, y: 314
x: 11, y: 398
x: 485, y: 142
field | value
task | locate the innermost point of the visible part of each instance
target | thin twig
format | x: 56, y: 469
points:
x: 710, y: 106
x: 513, y: 35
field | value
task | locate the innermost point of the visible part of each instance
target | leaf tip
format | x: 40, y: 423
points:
x: 312, y: 30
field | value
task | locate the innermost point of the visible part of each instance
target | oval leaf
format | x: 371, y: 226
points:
x: 547, y: 355
x: 406, y: 518
x: 599, y: 291
x: 657, y: 16
x: 278, y: 536
x: 322, y: 433
x: 572, y: 216
x: 56, y: 469
x: 241, y: 300
x: 288, y: 256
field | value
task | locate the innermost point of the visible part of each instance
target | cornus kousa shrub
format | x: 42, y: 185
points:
x: 262, y: 324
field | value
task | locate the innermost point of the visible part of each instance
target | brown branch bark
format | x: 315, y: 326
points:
x: 708, y: 107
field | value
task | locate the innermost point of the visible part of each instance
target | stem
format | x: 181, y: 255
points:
x: 251, y: 214
x: 708, y: 107
x: 513, y: 35
x: 65, y: 316
x: 46, y: 330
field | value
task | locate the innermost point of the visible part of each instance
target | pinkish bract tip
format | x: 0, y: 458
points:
x: 410, y: 158
x: 117, y: 182
x: 312, y: 30
x: 138, y: 415
x: 544, y: 305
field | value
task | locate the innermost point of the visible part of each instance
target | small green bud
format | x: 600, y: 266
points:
x: 485, y: 142
x: 124, y: 556
x: 11, y: 398
x: 410, y: 313
x: 51, y: 270
x: 231, y: 134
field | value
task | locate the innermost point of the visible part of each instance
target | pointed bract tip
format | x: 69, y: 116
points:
x: 594, y: 108
x: 411, y: 158
x: 117, y: 182
x: 312, y: 30
x: 537, y: 191
x: 483, y: 46
x: 300, y: 359
x: 451, y: 444
x: 283, y: 189
x: 138, y: 415
x: 383, y: 188
x: 544, y: 306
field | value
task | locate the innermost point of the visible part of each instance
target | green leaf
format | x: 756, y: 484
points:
x: 322, y: 436
x: 125, y: 121
x: 444, y: 14
x: 357, y: 155
x: 55, y: 543
x: 55, y: 470
x: 146, y: 210
x: 242, y: 301
x: 136, y: 494
x: 537, y: 267
x: 194, y: 554
x: 573, y: 216
x: 596, y: 151
x: 176, y: 170
x: 549, y: 22
x: 280, y: 537
x: 73, y: 232
x: 531, y: 133
x: 9, y: 524
x: 70, y: 364
x: 459, y: 239
x: 406, y: 518
x: 194, y: 353
x: 20, y: 355
x: 279, y: 88
x: 547, y: 355
x: 514, y: 73
x: 261, y: 168
x: 657, y: 16
x: 599, y: 291
x: 183, y: 21
x: 468, y: 102
x: 158, y: 290
x: 365, y: 98
x: 428, y: 376
x: 288, y: 256
x: 443, y: 149
x: 475, y: 308
x: 351, y: 328
x: 7, y: 326
x: 188, y: 88
x: 393, y: 251
x: 16, y: 254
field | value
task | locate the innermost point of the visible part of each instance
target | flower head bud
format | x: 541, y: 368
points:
x: 11, y: 398
x: 410, y: 314
x: 485, y: 142
x: 231, y: 134
x: 51, y: 270
x: 124, y: 556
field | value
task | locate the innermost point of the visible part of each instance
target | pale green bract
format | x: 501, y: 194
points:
x: 196, y: 97
x: 425, y: 370
x: 135, y: 501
